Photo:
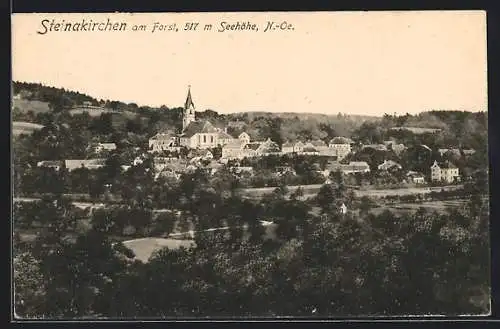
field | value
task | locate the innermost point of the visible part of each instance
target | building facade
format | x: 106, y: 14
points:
x: 445, y: 172
x: 342, y: 147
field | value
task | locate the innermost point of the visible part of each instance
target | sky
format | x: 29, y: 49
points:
x: 366, y: 63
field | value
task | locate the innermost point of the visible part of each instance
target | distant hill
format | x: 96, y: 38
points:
x: 307, y: 116
x: 33, y: 99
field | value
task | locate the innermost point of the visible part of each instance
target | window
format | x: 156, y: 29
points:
x: 204, y: 138
x: 211, y: 139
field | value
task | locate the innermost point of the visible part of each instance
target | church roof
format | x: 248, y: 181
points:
x: 189, y: 100
x: 197, y: 127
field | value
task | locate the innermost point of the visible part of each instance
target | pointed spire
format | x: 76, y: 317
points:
x: 189, y: 100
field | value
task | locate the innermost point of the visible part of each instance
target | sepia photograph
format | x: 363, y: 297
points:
x: 249, y: 165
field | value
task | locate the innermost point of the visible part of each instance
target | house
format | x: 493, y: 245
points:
x: 287, y: 147
x: 290, y: 147
x: 101, y: 147
x: 168, y: 173
x: 468, y: 152
x: 341, y: 145
x: 321, y: 147
x: 309, y: 149
x: 444, y: 172
x: 125, y: 167
x: 50, y: 164
x: 244, y: 138
x: 138, y: 160
x: 284, y: 170
x: 396, y: 148
x: 234, y: 149
x: 268, y: 147
x: 355, y: 167
x: 224, y: 138
x: 389, y: 165
x: 250, y: 149
x: 343, y: 209
x: 378, y: 147
x: 415, y: 177
x: 454, y: 152
x: 89, y: 164
x: 163, y: 142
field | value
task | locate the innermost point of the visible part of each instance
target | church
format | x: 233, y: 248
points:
x: 194, y: 134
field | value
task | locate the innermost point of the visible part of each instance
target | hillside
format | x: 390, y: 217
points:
x: 25, y: 105
x: 35, y: 101
x: 20, y: 127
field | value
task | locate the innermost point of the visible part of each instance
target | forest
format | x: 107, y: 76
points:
x: 321, y: 263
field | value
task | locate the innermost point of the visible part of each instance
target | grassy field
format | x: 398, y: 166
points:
x: 143, y: 248
x: 21, y: 127
x: 26, y: 105
x: 438, y: 206
x: 312, y: 190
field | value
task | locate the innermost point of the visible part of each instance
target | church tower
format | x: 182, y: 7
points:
x: 188, y: 115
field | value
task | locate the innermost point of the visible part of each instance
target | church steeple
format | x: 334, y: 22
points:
x: 189, y: 111
x: 189, y: 100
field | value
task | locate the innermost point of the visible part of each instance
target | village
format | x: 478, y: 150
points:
x: 197, y: 145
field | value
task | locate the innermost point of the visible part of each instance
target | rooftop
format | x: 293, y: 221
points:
x: 341, y: 140
x: 197, y: 127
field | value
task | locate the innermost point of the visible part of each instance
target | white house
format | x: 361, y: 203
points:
x: 309, y: 149
x: 342, y: 146
x: 84, y: 163
x: 445, y: 172
x: 355, y: 167
x: 455, y: 152
x: 343, y: 209
x: 389, y: 165
x: 415, y: 177
x: 163, y: 142
x: 224, y: 138
x: 320, y: 146
x: 287, y: 147
x: 377, y: 147
x: 50, y: 164
x: 244, y: 138
x: 100, y: 147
